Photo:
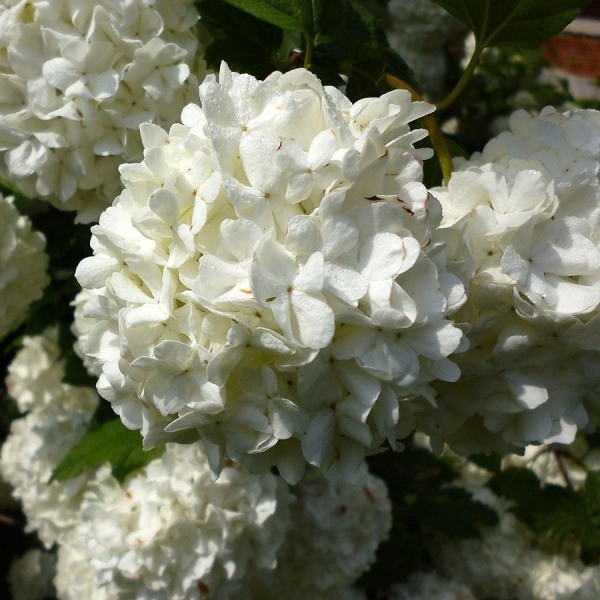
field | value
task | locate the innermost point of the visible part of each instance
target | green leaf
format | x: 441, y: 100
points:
x: 245, y: 43
x: 360, y: 51
x: 561, y: 512
x: 466, y: 513
x: 591, y: 492
x: 315, y: 18
x: 287, y: 14
x: 522, y: 486
x: 524, y: 23
x: 109, y: 442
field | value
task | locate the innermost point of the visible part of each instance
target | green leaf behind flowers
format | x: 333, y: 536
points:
x: 524, y: 23
x: 246, y: 43
x: 108, y: 442
x: 554, y: 511
x: 424, y: 504
x: 315, y: 18
x: 341, y: 36
x: 286, y: 14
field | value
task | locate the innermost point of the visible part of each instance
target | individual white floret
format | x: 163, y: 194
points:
x: 77, y: 80
x: 23, y: 264
x: 269, y: 279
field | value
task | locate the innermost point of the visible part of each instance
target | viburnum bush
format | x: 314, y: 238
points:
x: 268, y: 331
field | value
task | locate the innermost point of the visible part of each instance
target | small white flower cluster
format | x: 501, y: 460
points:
x: 77, y: 79
x: 505, y: 563
x: 171, y: 532
x: 338, y: 525
x: 522, y: 221
x: 420, y: 32
x: 57, y: 417
x: 23, y: 264
x: 268, y: 281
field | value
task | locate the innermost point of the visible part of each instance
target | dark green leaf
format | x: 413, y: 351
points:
x: 561, y: 512
x: 75, y: 372
x: 7, y: 188
x: 318, y: 19
x: 245, y: 43
x: 466, y: 513
x: 524, y: 23
x: 109, y: 442
x: 591, y: 492
x: 286, y: 14
x: 491, y: 461
x: 360, y: 51
x: 523, y: 487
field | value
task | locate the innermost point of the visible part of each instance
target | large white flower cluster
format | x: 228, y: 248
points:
x: 506, y: 564
x: 339, y: 523
x: 77, y: 79
x: 23, y: 264
x: 57, y: 416
x: 170, y: 532
x: 268, y: 280
x: 522, y: 220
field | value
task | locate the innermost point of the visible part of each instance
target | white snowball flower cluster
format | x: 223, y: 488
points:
x: 505, y: 564
x: 77, y: 79
x: 420, y: 32
x: 522, y: 221
x: 268, y: 280
x: 31, y: 576
x: 57, y: 417
x: 338, y: 525
x: 23, y: 264
x: 170, y: 532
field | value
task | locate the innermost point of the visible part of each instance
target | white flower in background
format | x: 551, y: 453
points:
x: 170, y: 532
x: 57, y: 417
x: 505, y: 563
x: 552, y: 465
x: 522, y: 222
x: 31, y: 576
x: 430, y: 586
x: 77, y: 80
x: 23, y: 264
x: 268, y: 280
x: 337, y: 525
x: 420, y: 32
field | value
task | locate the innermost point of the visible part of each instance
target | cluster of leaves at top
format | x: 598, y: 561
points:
x: 342, y: 37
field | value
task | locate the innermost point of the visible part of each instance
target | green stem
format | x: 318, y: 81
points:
x: 430, y: 122
x: 463, y: 81
x: 308, y: 52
